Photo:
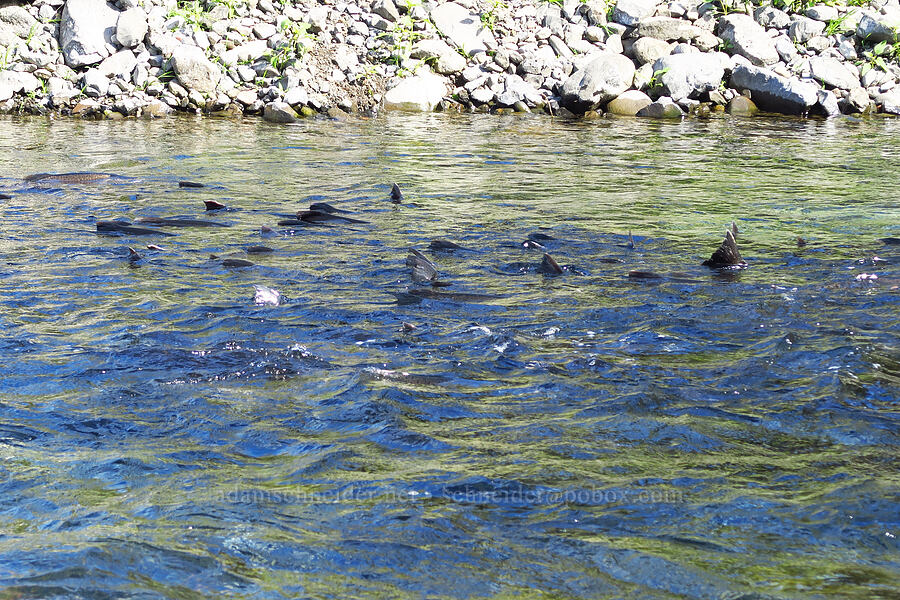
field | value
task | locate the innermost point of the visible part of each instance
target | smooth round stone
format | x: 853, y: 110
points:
x: 628, y: 103
x: 741, y: 106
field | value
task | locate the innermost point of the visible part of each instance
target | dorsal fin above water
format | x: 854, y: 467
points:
x: 396, y: 194
x: 423, y: 270
x: 727, y: 255
x: 549, y: 266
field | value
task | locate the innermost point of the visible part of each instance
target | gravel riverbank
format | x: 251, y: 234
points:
x: 284, y: 59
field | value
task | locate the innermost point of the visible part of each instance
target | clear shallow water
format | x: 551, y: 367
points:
x: 583, y: 436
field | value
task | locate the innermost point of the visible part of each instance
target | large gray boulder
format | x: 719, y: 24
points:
x: 890, y: 102
x: 279, y: 112
x: 463, y: 28
x: 630, y: 12
x: 667, y: 28
x: 12, y: 82
x: 131, y: 27
x: 748, y: 38
x: 119, y: 65
x: 647, y: 50
x: 876, y: 27
x: 445, y: 59
x: 194, y: 70
x: 15, y: 24
x: 420, y: 92
x: 86, y: 31
x: 689, y: 75
x: 833, y: 72
x: 769, y: 16
x: 803, y: 29
x: 598, y: 82
x: 773, y: 92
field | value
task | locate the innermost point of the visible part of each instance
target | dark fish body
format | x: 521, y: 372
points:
x: 236, y: 263
x: 325, y: 207
x: 644, y: 275
x: 630, y: 241
x: 656, y: 277
x: 71, y: 177
x: 299, y: 223
x: 533, y: 245
x: 126, y: 228
x: 541, y: 237
x: 890, y: 241
x: 317, y: 216
x: 396, y: 194
x: 444, y: 246
x: 190, y: 184
x: 213, y: 205
x: 5, y: 197
x: 549, y: 266
x: 163, y: 222
x: 428, y: 293
x: 258, y: 250
x: 727, y: 255
x: 133, y: 255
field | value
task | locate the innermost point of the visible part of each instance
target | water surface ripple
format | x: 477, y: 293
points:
x: 702, y: 435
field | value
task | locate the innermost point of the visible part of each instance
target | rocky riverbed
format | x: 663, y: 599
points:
x: 285, y: 59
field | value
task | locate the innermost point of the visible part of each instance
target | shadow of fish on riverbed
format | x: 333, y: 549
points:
x: 77, y: 178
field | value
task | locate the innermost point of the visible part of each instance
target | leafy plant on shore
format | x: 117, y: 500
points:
x: 190, y: 11
x: 4, y: 58
x: 656, y: 78
x: 231, y: 5
x: 489, y: 17
x: 402, y: 36
x: 877, y: 57
x: 798, y: 6
x: 835, y: 25
x: 297, y: 42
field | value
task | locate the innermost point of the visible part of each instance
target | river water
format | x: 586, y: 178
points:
x: 590, y: 435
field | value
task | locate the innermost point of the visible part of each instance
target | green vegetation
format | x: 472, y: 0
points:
x: 835, y: 25
x: 655, y: 78
x: 403, y: 35
x: 798, y: 6
x: 190, y: 11
x: 297, y: 42
x: 231, y: 5
x: 878, y: 56
x: 489, y: 17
